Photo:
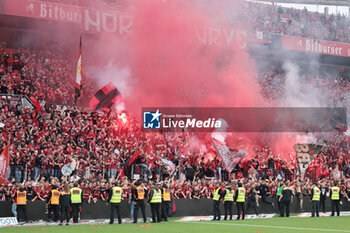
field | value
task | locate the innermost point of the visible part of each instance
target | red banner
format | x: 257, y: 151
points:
x: 4, y: 164
x: 94, y: 20
x: 315, y: 46
x: 44, y: 10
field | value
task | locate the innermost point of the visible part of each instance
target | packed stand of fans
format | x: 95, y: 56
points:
x: 99, y: 147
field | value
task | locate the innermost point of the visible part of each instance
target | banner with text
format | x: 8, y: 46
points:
x: 315, y: 46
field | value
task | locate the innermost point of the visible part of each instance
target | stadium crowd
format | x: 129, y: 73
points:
x: 99, y: 147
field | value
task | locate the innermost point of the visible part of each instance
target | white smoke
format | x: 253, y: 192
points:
x: 195, y: 145
x: 119, y: 76
x: 298, y: 92
x: 220, y: 134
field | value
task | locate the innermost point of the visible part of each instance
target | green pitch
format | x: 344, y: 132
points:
x: 278, y: 225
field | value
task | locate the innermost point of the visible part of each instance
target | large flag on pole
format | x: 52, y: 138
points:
x: 4, y: 164
x: 78, y: 85
x: 105, y: 97
x: 229, y: 159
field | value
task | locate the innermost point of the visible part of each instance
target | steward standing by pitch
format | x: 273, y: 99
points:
x: 155, y: 200
x: 240, y: 200
x: 138, y: 196
x: 76, y: 196
x: 53, y: 201
x: 166, y: 203
x: 217, y: 195
x: 115, y: 198
x: 315, y: 200
x: 228, y: 195
x: 335, y: 197
x: 21, y: 197
x: 286, y: 199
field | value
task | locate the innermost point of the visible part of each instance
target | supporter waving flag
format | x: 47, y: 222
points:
x: 4, y: 164
x: 78, y: 85
x: 36, y: 104
x: 105, y: 97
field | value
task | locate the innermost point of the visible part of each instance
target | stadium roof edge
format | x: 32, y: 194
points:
x: 312, y: 2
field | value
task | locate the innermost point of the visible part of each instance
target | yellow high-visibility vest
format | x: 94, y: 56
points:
x: 116, y: 195
x: 335, y: 193
x: 157, y: 196
x: 216, y: 194
x: 229, y: 195
x: 75, y: 195
x: 241, y: 195
x: 317, y: 194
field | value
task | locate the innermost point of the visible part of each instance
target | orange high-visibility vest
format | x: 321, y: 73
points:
x: 55, y: 197
x: 21, y: 198
x: 166, y: 195
x: 140, y: 193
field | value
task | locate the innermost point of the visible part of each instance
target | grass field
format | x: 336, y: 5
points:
x: 278, y: 225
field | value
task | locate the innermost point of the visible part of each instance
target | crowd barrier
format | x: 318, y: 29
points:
x: 184, y: 207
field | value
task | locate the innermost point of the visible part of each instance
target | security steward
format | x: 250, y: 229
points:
x: 217, y: 195
x: 166, y: 203
x: 138, y: 197
x: 315, y: 200
x: 240, y: 200
x: 115, y: 198
x: 286, y: 199
x: 53, y: 201
x: 335, y: 197
x: 76, y: 196
x: 155, y: 200
x: 228, y: 195
x: 21, y: 196
x: 65, y: 204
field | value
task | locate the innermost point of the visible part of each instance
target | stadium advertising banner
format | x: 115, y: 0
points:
x: 91, y: 20
x: 315, y: 46
x: 44, y: 10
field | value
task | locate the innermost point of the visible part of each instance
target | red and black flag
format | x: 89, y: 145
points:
x: 78, y: 85
x: 105, y: 97
x: 36, y: 104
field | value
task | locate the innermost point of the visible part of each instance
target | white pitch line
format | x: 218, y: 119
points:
x: 268, y: 226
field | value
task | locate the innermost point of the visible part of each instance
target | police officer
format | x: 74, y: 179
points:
x: 65, y: 204
x: 155, y: 200
x: 115, y: 198
x: 228, y: 195
x: 315, y: 200
x: 76, y: 196
x: 335, y: 197
x: 216, y: 202
x: 21, y: 196
x: 240, y: 199
x: 166, y: 203
x: 53, y: 201
x: 138, y: 197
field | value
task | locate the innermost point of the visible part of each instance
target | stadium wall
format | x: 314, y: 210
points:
x: 184, y: 207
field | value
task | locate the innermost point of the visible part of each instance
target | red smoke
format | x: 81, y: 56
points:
x: 171, y: 67
x: 174, y: 69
